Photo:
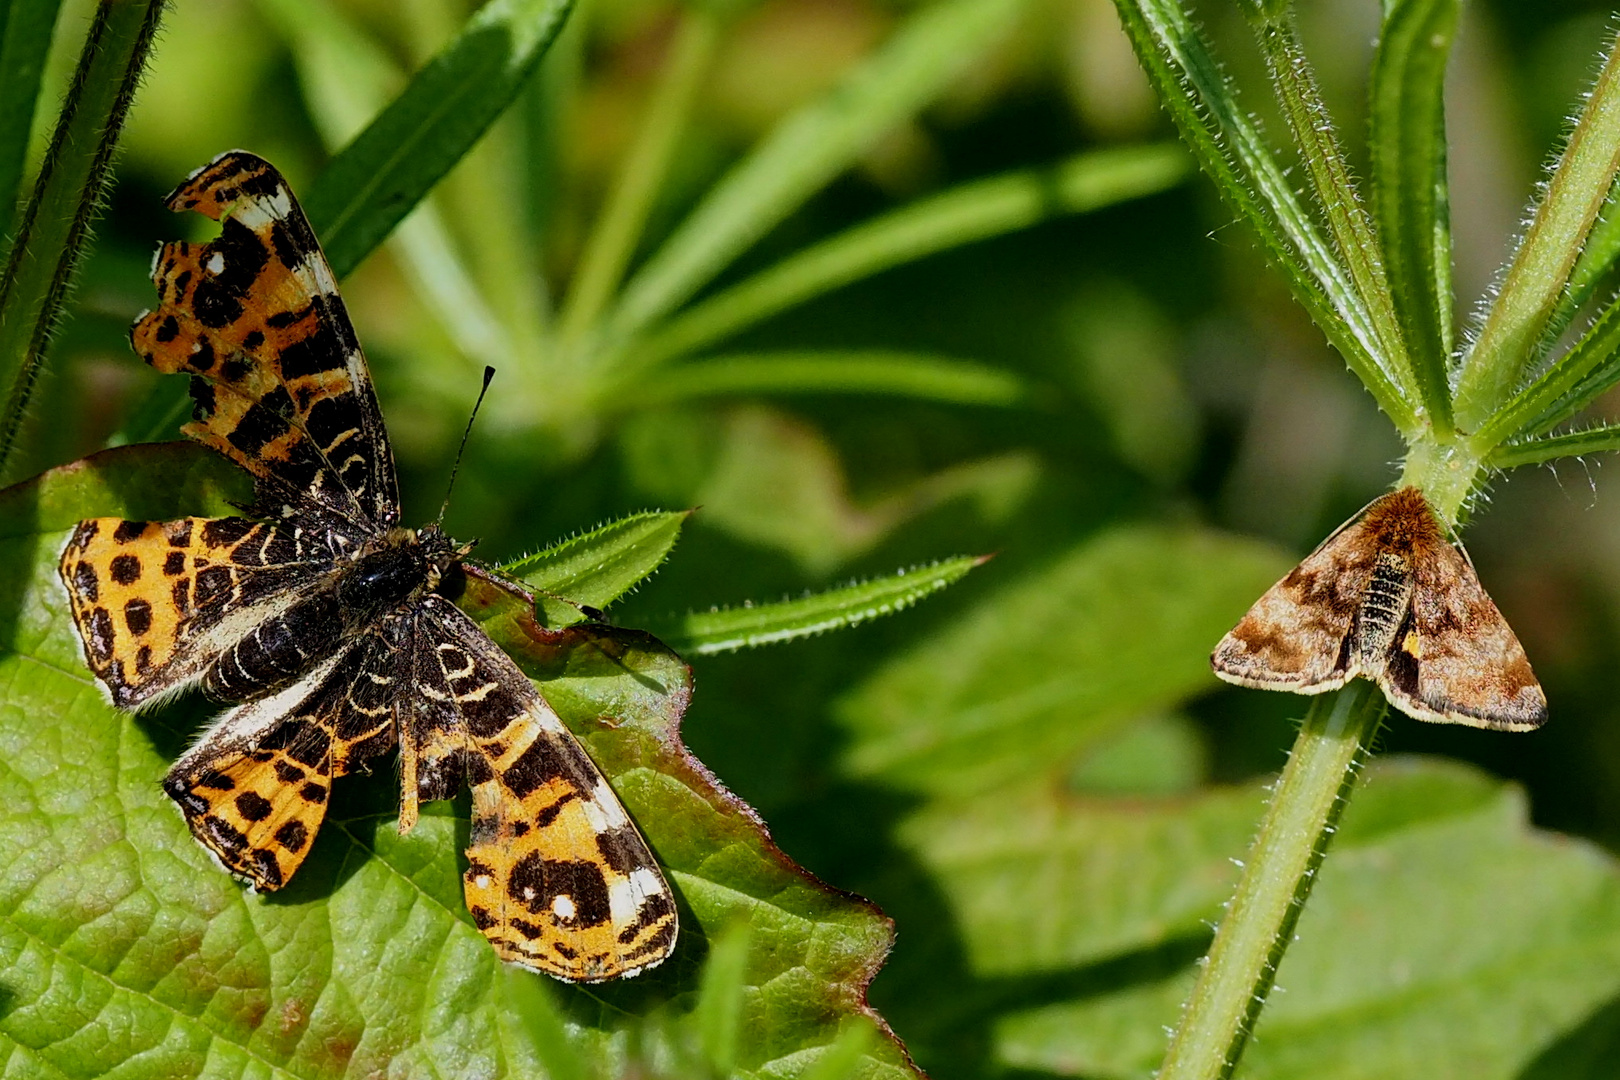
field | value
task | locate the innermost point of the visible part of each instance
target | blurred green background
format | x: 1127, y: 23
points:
x: 1172, y: 383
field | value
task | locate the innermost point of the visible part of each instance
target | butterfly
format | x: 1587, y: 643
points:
x: 1388, y: 596
x: 325, y: 624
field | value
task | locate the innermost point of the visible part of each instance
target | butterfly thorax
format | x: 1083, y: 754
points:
x: 400, y: 567
x: 387, y: 574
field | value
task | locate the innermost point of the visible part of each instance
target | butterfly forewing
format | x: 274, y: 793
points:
x: 1295, y: 636
x: 157, y: 603
x: 1468, y: 665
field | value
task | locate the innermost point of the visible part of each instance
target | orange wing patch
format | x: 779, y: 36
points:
x: 156, y: 602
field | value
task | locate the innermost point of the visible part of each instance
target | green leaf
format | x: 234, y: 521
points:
x: 598, y: 567
x: 1598, y: 257
x: 51, y: 237
x: 405, y: 151
x: 970, y: 212
x: 807, y: 150
x: 1546, y: 255
x: 1111, y: 876
x: 25, y: 41
x: 1407, y: 139
x: 1597, y: 439
x: 913, y: 375
x: 1580, y: 376
x: 704, y: 633
x: 1203, y: 102
x: 124, y: 950
x: 1117, y: 627
x: 1445, y: 938
x: 1294, y: 79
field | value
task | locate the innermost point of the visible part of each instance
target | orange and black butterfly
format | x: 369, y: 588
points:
x: 320, y: 619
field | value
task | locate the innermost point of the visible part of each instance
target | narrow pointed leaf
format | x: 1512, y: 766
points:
x: 1598, y: 439
x: 1323, y: 161
x: 970, y: 212
x: 1408, y: 144
x: 1203, y: 102
x: 55, y: 226
x: 598, y: 567
x: 376, y: 180
x: 703, y: 633
x: 1590, y: 367
x: 911, y: 375
x: 1546, y: 255
x: 808, y: 149
x: 1598, y: 258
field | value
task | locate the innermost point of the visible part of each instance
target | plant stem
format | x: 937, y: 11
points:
x: 1277, y: 877
x: 56, y: 225
x: 641, y: 175
x: 1547, y: 254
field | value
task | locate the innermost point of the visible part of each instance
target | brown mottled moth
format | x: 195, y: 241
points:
x: 1388, y: 597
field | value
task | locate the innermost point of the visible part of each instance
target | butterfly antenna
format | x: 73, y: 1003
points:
x: 489, y: 373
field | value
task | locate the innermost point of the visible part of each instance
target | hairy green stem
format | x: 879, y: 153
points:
x: 641, y: 175
x: 1277, y: 877
x: 56, y: 224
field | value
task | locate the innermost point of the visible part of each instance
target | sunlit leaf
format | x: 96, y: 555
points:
x: 126, y: 949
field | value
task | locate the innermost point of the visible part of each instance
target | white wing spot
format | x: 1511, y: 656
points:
x: 216, y: 263
x: 603, y: 811
x: 563, y: 906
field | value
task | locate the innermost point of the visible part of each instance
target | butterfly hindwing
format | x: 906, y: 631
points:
x: 558, y: 877
x: 1459, y: 661
x: 280, y: 383
x: 254, y: 787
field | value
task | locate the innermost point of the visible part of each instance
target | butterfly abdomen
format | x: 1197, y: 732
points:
x: 278, y: 651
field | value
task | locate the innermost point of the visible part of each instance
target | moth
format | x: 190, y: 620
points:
x: 326, y: 625
x: 1390, y: 598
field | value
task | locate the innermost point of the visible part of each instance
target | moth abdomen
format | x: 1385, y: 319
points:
x: 1384, y: 606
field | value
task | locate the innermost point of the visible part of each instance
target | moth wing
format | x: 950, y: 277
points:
x: 1456, y: 660
x: 155, y: 602
x: 558, y: 877
x: 280, y: 384
x: 254, y: 787
x: 1297, y: 636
